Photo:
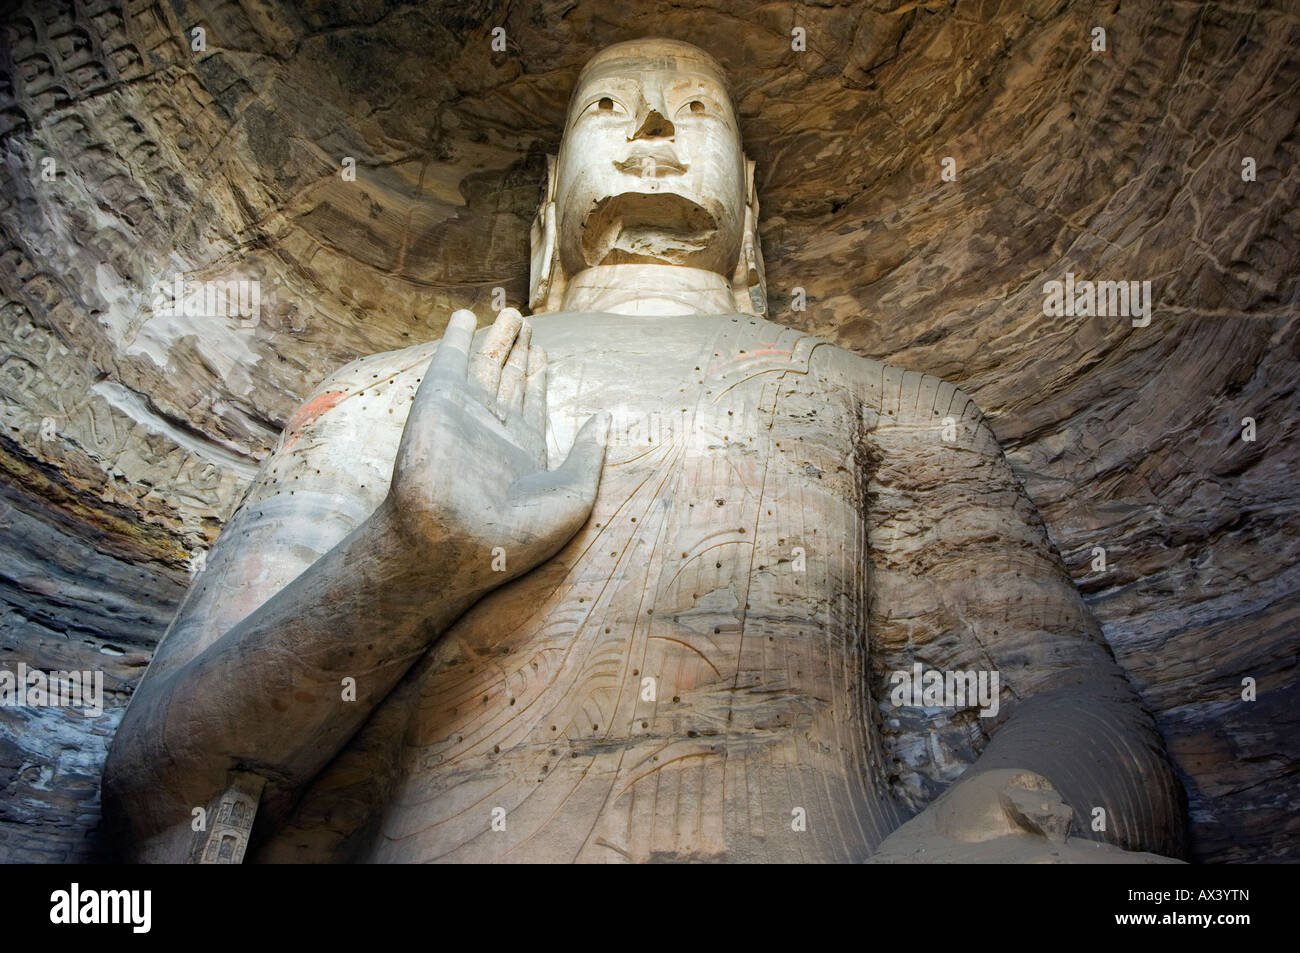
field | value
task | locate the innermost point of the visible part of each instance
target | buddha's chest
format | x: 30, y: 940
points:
x: 707, y: 622
x: 731, y: 493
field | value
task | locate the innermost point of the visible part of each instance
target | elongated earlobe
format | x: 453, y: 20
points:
x: 749, y: 283
x: 546, y: 278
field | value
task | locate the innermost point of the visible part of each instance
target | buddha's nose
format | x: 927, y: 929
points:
x: 651, y: 123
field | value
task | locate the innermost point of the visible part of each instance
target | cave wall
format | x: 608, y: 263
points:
x: 127, y: 437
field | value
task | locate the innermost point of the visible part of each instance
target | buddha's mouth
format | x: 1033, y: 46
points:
x: 651, y: 164
x: 646, y: 227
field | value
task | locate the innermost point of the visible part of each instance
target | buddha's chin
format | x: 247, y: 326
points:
x: 648, y: 228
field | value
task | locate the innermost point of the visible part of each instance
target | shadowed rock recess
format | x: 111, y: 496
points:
x: 132, y: 153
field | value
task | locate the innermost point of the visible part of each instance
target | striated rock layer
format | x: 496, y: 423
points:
x: 131, y: 156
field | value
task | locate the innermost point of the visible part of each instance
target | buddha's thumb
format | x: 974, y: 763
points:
x: 581, y: 468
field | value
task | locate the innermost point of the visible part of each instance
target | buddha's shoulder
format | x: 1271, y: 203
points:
x: 364, y: 372
x: 360, y: 401
x: 898, y: 395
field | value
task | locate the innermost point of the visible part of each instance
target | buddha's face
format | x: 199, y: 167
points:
x: 650, y: 168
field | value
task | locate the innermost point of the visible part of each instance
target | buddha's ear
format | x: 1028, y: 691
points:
x: 749, y: 284
x: 546, y: 278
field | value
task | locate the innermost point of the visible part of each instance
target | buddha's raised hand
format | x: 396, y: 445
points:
x: 471, y: 471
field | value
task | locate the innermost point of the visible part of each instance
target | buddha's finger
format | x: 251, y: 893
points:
x: 535, y: 398
x: 452, y: 357
x: 485, y: 366
x: 510, y: 397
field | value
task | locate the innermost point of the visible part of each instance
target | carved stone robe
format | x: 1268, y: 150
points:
x: 702, y: 672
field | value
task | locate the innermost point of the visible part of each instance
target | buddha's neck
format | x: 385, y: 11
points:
x: 649, y: 290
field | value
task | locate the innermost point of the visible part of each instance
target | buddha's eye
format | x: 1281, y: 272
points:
x: 607, y: 107
x: 696, y: 109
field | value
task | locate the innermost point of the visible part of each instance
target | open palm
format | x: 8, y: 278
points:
x: 472, y: 464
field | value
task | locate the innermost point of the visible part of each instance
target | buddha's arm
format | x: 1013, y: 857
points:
x: 268, y: 696
x: 965, y: 578
x: 279, y: 692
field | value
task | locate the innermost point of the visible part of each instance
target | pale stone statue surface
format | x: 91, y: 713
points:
x: 686, y: 655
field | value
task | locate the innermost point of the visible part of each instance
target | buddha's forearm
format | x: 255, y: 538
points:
x: 1100, y: 749
x: 281, y: 692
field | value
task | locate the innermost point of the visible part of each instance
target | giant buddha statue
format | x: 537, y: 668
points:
x: 638, y: 578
